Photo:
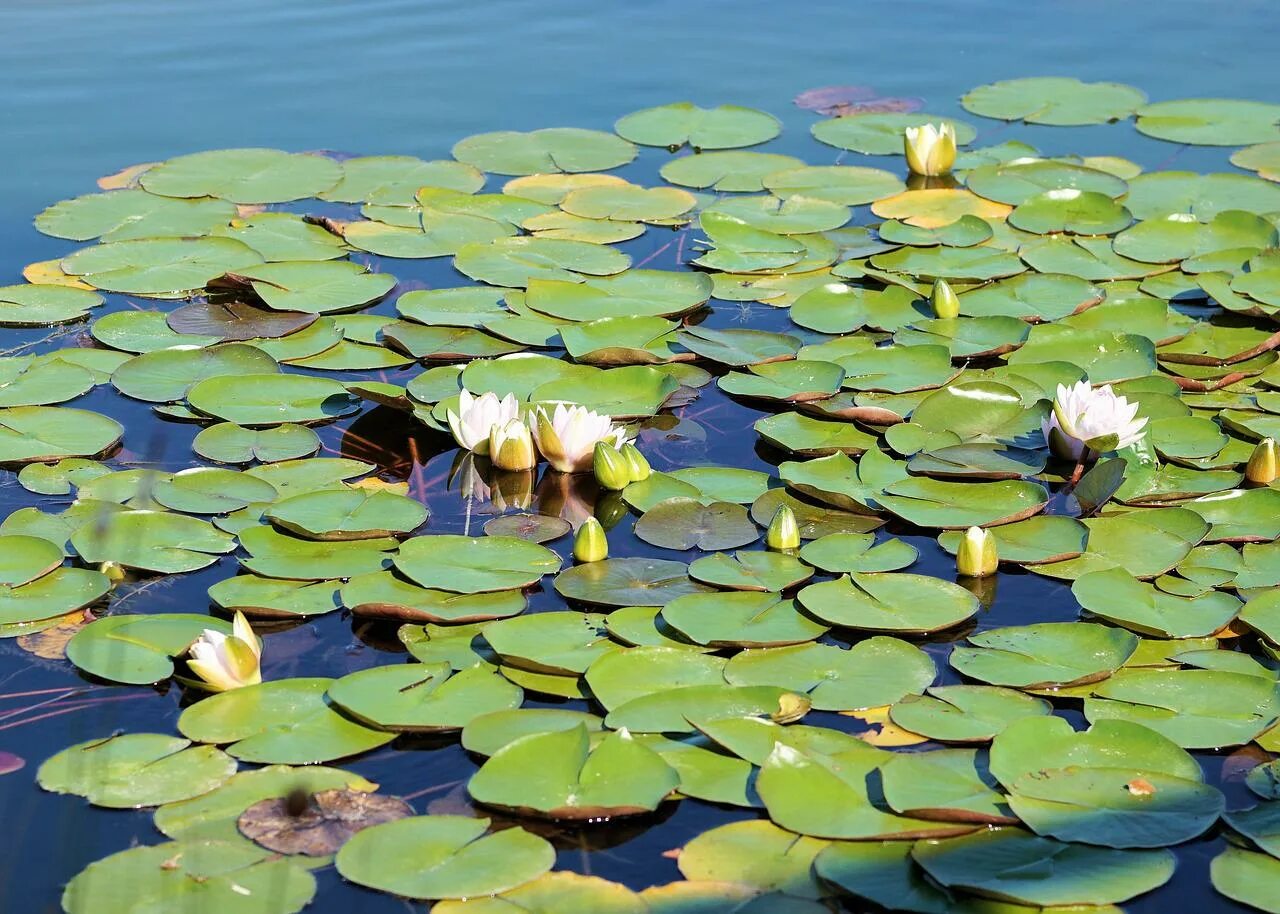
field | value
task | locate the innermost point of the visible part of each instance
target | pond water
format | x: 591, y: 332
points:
x: 93, y: 87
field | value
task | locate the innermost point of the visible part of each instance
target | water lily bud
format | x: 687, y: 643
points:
x: 114, y: 572
x: 931, y: 150
x: 1261, y: 468
x: 637, y: 464
x: 612, y: 470
x: 589, y: 543
x: 511, y: 446
x: 977, y: 556
x: 943, y: 300
x: 783, y: 532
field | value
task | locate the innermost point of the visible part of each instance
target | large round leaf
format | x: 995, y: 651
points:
x: 464, y: 564
x: 443, y: 857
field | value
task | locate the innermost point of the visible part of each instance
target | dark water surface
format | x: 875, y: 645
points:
x: 89, y: 87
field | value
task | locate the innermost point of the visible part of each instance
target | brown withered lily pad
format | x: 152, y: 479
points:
x: 235, y: 320
x: 319, y: 824
x: 843, y: 100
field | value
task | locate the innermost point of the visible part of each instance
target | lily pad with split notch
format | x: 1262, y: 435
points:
x: 422, y: 697
x: 271, y: 399
x: 1045, y: 654
x: 464, y: 564
x: 383, y: 595
x: 686, y: 523
x: 347, y: 514
x: 619, y: 776
x: 30, y: 434
x: 127, y: 771
x: 285, y: 721
x: 135, y: 649
x: 273, y: 598
x: 192, y: 874
x: 890, y: 602
x: 875, y: 672
x: 964, y: 713
x: 627, y: 582
x: 741, y: 619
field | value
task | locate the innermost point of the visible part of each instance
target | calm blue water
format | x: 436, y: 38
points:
x: 89, y: 87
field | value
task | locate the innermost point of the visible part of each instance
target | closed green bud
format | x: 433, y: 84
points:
x: 977, y: 556
x: 783, y: 532
x: 612, y: 470
x: 943, y: 300
x: 637, y: 465
x: 589, y: 543
x: 1262, y: 468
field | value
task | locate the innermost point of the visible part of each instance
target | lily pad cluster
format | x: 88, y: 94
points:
x: 695, y: 665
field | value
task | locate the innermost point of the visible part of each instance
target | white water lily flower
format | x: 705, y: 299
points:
x: 227, y: 662
x: 1093, y: 418
x: 476, y: 417
x: 567, y: 437
x: 930, y: 150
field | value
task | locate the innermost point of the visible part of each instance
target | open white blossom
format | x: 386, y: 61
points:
x: 1093, y: 418
x: 476, y: 417
x: 227, y: 662
x: 567, y: 436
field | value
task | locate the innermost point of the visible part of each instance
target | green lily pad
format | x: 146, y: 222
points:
x: 272, y: 598
x: 419, y: 698
x: 1247, y: 877
x: 1016, y: 866
x: 443, y: 857
x: 350, y: 514
x: 227, y: 442
x: 40, y: 306
x: 151, y: 541
x: 197, y: 875
x: 882, y: 134
x: 726, y: 171
x: 753, y: 571
x: 286, y: 721
x: 722, y: 127
x: 463, y: 564
x: 1210, y: 121
x: 518, y: 261
x: 554, y: 149
x: 845, y: 553
x: 849, y: 185
x: 160, y: 267
x: 44, y: 433
x: 276, y: 555
x: 1119, y: 597
x: 627, y: 582
x: 873, y: 673
x: 243, y: 175
x: 741, y: 619
x: 1057, y: 101
x: 686, y: 523
x: 271, y: 399
x: 619, y: 776
x: 137, y: 650
x: 896, y: 602
x: 1045, y: 654
x: 964, y: 713
x: 1194, y: 708
x: 50, y: 596
x: 136, y: 769
x: 826, y: 796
